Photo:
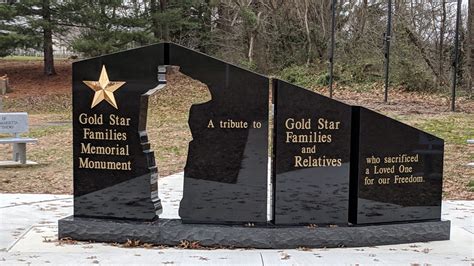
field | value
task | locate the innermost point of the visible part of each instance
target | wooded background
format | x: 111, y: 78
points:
x: 286, y: 38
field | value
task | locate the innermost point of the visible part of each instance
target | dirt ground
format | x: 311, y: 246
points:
x: 27, y: 79
x: 48, y: 101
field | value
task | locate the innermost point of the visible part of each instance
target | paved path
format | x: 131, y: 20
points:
x: 28, y: 232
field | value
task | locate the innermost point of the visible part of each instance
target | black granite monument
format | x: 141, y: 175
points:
x: 397, y: 171
x: 225, y: 177
x: 379, y: 180
x: 311, y: 161
x: 115, y: 175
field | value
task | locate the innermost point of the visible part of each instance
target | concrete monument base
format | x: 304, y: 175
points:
x: 171, y: 232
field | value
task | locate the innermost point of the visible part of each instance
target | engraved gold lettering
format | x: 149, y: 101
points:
x: 401, y: 158
x: 312, y: 137
x: 86, y: 163
x: 302, y: 124
x: 384, y: 170
x: 408, y: 179
x: 229, y: 123
x: 311, y: 149
x: 324, y: 123
x: 117, y: 150
x: 107, y: 134
x: 395, y: 169
x: 311, y: 161
x: 95, y: 119
x: 210, y: 124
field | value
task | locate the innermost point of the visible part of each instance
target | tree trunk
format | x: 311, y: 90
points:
x: 165, y: 30
x: 421, y: 47
x: 308, y: 32
x: 154, y: 20
x: 363, y: 18
x: 48, y: 66
x: 253, y: 35
x: 251, y: 43
x: 441, y: 43
x: 470, y: 48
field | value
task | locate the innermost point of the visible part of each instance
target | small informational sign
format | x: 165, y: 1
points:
x: 11, y: 123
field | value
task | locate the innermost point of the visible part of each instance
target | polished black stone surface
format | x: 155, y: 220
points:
x: 318, y: 144
x: 311, y: 157
x: 225, y: 177
x: 406, y: 184
x: 129, y: 192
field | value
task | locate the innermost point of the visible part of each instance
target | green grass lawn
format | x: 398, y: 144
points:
x: 454, y: 128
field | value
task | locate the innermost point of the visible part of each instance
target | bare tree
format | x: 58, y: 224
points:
x: 47, y: 39
x: 302, y: 9
x: 441, y: 42
x: 470, y: 48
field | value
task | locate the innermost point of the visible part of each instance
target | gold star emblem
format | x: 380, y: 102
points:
x: 104, y: 89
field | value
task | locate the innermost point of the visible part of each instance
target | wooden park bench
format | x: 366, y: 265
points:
x: 14, y: 124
